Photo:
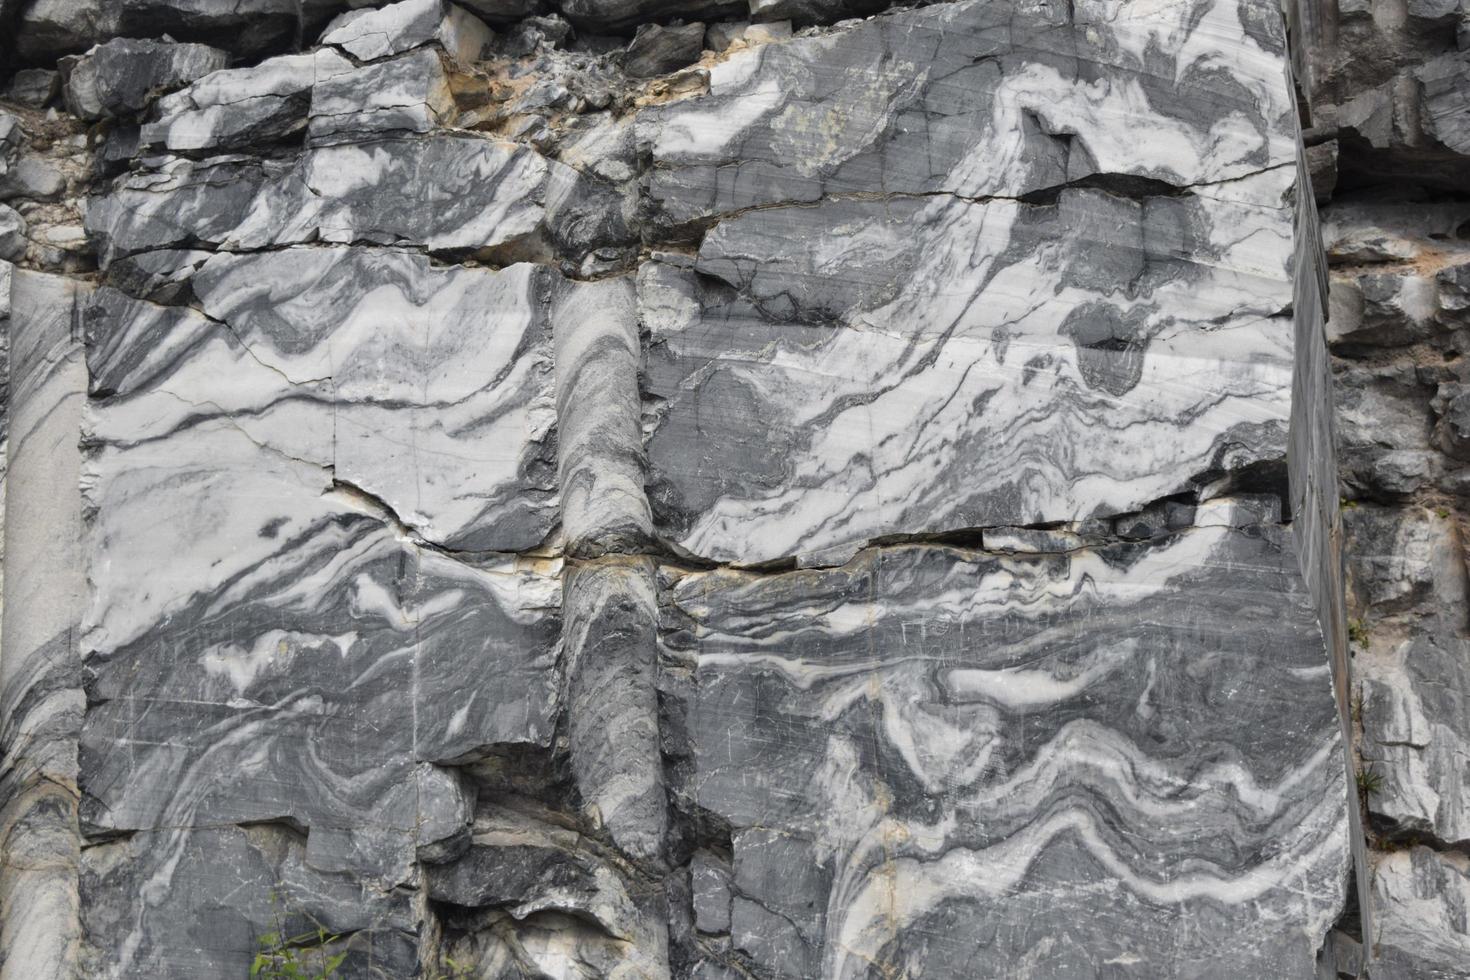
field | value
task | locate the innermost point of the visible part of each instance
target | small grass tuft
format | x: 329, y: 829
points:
x: 1370, y: 781
x: 307, y: 956
x: 1358, y: 632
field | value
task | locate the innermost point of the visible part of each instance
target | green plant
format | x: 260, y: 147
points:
x: 1442, y: 513
x: 1357, y: 632
x: 307, y: 956
x: 457, y: 971
x: 1370, y: 781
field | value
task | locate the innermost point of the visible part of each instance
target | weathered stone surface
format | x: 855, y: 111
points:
x: 52, y: 27
x: 12, y: 234
x: 1446, y: 116
x: 371, y: 34
x: 34, y: 87
x: 625, y: 15
x: 657, y: 50
x: 963, y: 801
x: 239, y: 107
x: 1408, y: 572
x: 1421, y: 897
x: 183, y: 904
x: 409, y: 94
x: 492, y: 195
x: 120, y: 77
x: 564, y: 502
x: 543, y: 897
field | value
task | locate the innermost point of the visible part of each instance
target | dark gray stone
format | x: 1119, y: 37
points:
x: 1040, y: 734
x: 658, y: 50
x: 124, y: 75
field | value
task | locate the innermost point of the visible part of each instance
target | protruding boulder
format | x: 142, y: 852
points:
x: 658, y: 50
x: 371, y: 34
x: 243, y: 107
x: 122, y: 76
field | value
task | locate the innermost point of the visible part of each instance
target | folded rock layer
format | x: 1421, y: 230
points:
x: 852, y: 506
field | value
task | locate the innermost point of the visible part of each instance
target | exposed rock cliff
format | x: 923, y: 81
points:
x: 660, y: 488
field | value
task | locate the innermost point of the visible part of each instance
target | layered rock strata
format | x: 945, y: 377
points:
x: 595, y: 495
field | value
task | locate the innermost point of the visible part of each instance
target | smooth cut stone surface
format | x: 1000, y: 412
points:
x: 1120, y: 762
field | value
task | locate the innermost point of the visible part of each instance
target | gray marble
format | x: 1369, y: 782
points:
x: 368, y: 35
x: 490, y: 196
x: 41, y: 701
x: 610, y: 612
x: 981, y: 99
x: 185, y: 904
x: 310, y: 636
x: 1407, y: 572
x: 12, y: 234
x: 409, y: 94
x: 562, y: 502
x: 240, y: 107
x: 539, y: 899
x: 48, y: 28
x: 122, y: 76
x: 797, y: 408
x: 1035, y: 766
x: 657, y: 50
x: 1446, y: 117
x: 1423, y: 932
x: 600, y: 445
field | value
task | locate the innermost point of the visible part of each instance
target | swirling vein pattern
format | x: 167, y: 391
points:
x: 975, y: 265
x: 1119, y: 760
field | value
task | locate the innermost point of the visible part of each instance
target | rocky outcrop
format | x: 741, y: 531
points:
x: 1386, y: 112
x: 640, y: 488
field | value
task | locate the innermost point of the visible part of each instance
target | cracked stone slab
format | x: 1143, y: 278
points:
x: 122, y: 76
x: 1125, y: 759
x: 408, y: 94
x: 1408, y: 569
x: 1420, y: 899
x: 266, y: 639
x: 983, y: 99
x: 48, y: 28
x: 442, y: 192
x: 181, y: 904
x: 429, y: 389
x: 538, y: 895
x: 242, y: 107
x: 368, y: 35
x: 825, y: 375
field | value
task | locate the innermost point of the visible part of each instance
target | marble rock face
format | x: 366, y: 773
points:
x: 1012, y: 329
x: 1001, y: 761
x: 556, y: 501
